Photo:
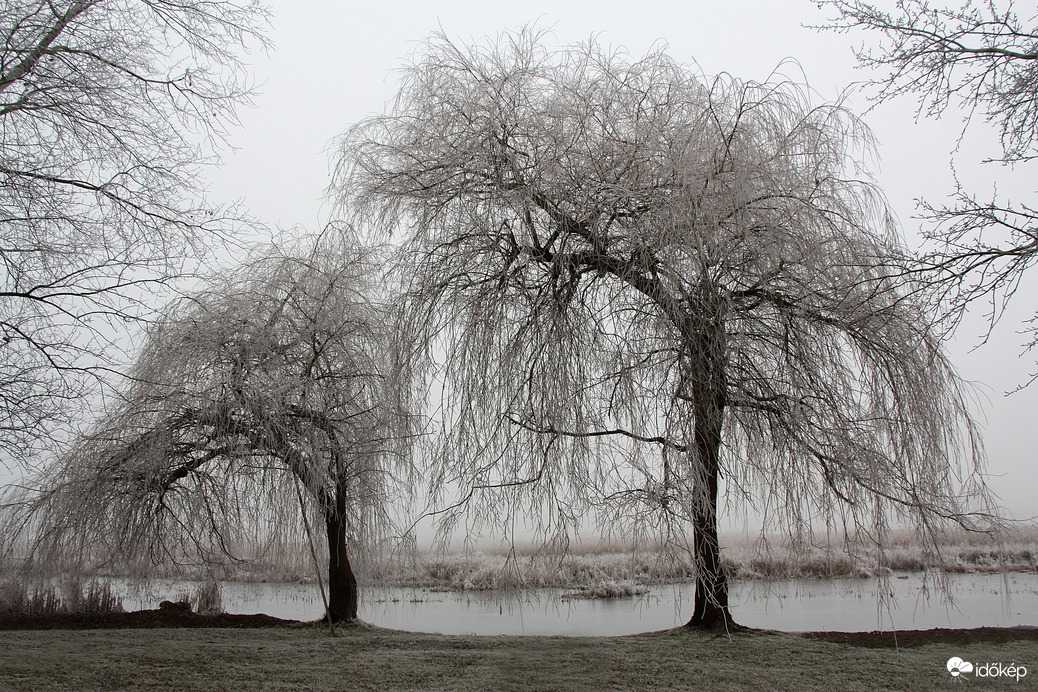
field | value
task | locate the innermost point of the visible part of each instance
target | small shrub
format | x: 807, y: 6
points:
x: 902, y: 560
x: 209, y: 598
x: 842, y: 566
x: 44, y: 601
x: 771, y: 567
x: 100, y: 598
x: 13, y: 597
x: 608, y: 589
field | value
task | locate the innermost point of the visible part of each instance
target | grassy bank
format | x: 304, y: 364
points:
x: 367, y: 658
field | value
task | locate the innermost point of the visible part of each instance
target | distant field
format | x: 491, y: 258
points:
x: 366, y: 658
x: 592, y: 564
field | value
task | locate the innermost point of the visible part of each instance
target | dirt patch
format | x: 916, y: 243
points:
x: 912, y: 638
x: 169, y: 617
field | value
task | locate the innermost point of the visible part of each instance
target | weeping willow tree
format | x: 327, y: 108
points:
x: 273, y: 387
x: 644, y: 285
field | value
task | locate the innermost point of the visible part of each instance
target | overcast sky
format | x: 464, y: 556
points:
x: 334, y: 63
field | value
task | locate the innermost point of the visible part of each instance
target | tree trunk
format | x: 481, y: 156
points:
x: 711, y: 599
x: 342, y: 584
x: 708, y: 385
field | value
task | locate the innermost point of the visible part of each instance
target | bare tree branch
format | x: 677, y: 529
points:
x: 108, y: 109
x: 983, y: 58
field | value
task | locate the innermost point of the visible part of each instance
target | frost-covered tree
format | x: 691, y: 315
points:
x: 983, y: 59
x: 275, y: 385
x: 108, y: 111
x: 645, y: 285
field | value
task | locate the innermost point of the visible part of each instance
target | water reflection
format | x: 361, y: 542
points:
x: 846, y: 604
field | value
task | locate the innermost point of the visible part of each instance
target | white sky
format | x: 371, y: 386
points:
x: 333, y: 63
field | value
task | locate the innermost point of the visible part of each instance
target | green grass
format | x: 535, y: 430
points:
x: 368, y: 658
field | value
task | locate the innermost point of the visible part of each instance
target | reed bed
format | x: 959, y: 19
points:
x: 601, y: 568
x: 596, y: 567
x: 21, y: 596
x: 70, y: 595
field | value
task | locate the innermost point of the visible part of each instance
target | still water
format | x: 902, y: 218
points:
x: 901, y: 602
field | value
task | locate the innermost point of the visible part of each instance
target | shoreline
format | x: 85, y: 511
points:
x: 182, y: 618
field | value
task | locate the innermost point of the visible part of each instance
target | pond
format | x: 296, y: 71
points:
x: 902, y: 601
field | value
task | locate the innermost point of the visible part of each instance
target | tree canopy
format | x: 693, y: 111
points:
x: 276, y: 378
x: 108, y: 110
x: 983, y: 59
x: 652, y: 291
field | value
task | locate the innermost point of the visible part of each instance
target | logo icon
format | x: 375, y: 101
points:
x: 956, y: 666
